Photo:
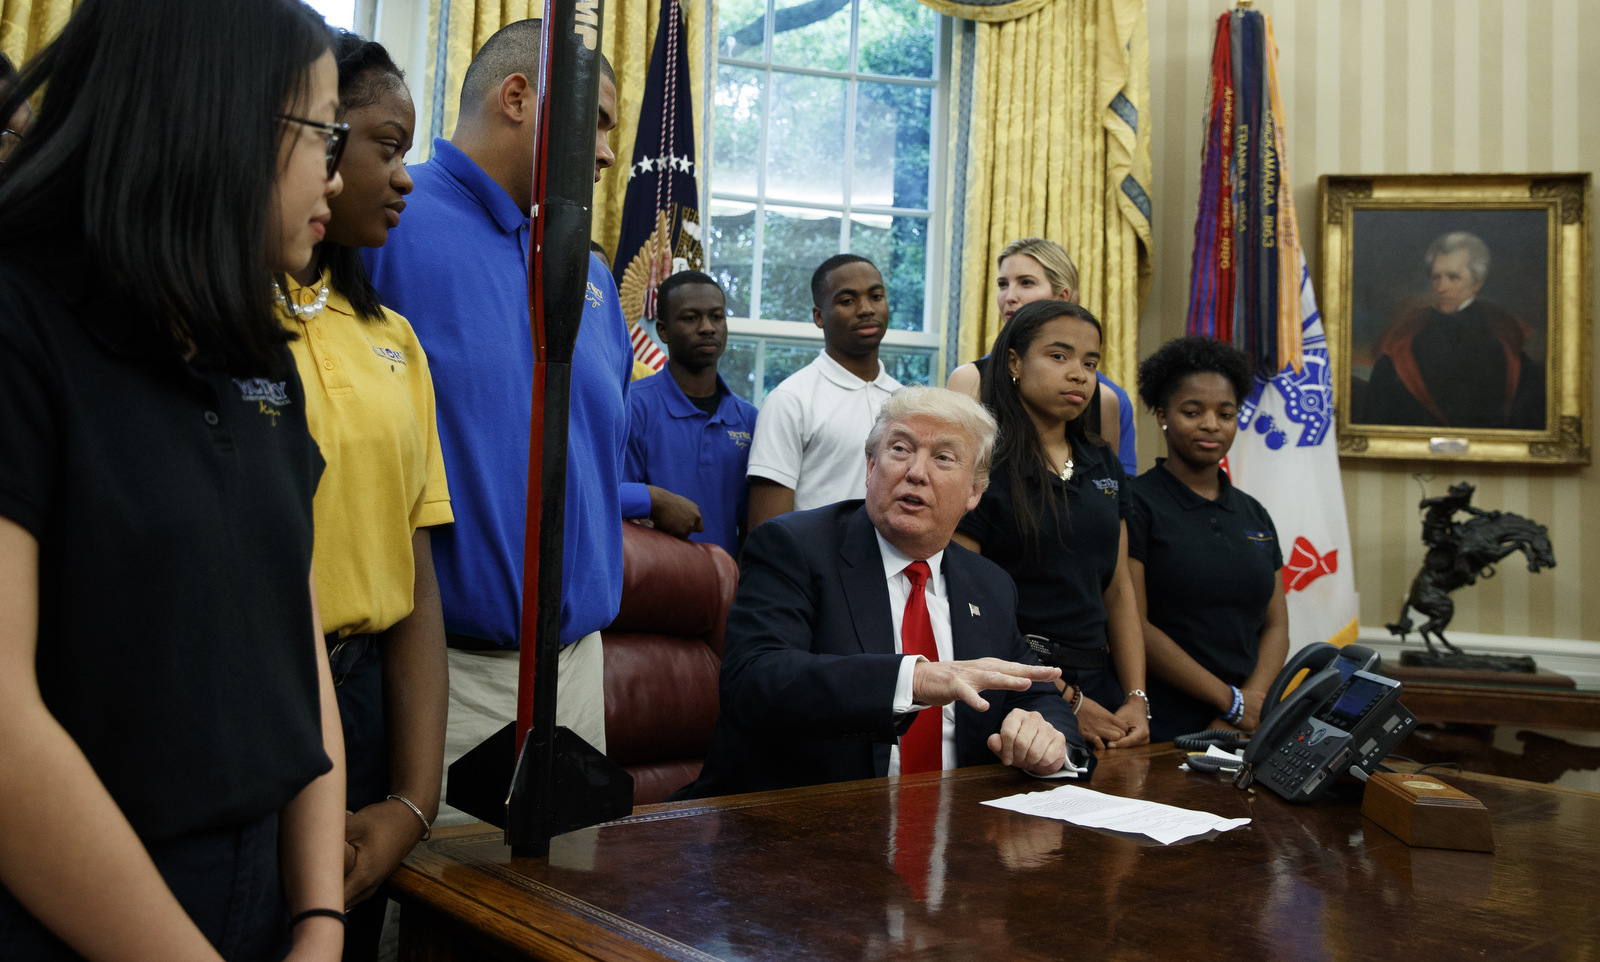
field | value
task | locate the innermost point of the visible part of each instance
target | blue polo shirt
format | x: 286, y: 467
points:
x: 674, y: 445
x: 457, y: 268
x: 1127, y: 444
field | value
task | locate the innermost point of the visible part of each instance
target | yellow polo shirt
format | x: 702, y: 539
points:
x: 369, y: 404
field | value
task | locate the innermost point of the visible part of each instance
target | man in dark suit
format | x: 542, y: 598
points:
x: 830, y: 671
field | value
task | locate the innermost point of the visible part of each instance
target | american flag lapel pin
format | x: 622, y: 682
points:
x: 972, y: 608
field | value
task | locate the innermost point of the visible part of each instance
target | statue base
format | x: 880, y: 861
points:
x: 1521, y: 664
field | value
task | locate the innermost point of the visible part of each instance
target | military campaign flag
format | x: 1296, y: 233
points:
x: 1249, y: 285
x: 661, y: 232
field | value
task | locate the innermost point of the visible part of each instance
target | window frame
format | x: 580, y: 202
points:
x: 759, y: 329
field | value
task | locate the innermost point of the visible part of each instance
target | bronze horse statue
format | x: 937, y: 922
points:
x: 1460, y: 554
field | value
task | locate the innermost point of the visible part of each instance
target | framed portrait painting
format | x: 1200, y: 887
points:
x: 1457, y: 312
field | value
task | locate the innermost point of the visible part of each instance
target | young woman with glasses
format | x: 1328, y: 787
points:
x: 1053, y: 518
x: 171, y: 767
x: 15, y: 111
x: 369, y: 401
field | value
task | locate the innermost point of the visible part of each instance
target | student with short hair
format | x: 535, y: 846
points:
x: 457, y: 268
x: 807, y: 449
x: 1204, y: 556
x: 171, y: 766
x: 687, y: 431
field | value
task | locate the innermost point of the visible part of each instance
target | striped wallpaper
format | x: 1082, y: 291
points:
x: 1388, y: 87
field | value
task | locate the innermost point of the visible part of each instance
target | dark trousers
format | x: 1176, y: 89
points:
x: 357, y: 665
x: 226, y: 880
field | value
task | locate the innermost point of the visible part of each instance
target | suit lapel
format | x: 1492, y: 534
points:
x: 865, y: 588
x: 966, y: 611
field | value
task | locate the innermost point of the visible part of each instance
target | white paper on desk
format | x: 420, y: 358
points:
x: 1081, y: 806
x: 1213, y: 751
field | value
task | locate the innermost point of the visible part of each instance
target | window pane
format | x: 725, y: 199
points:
x: 738, y: 367
x: 783, y: 360
x: 891, y: 164
x: 741, y: 28
x: 737, y: 156
x: 899, y: 246
x: 805, y: 141
x: 338, y: 13
x: 897, y: 38
x: 812, y: 33
x: 907, y: 367
x: 797, y: 240
x: 733, y: 252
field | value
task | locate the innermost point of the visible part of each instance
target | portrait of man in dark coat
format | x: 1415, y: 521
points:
x: 1459, y: 361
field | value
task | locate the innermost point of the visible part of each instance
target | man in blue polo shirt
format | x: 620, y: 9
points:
x: 686, y: 431
x: 456, y: 267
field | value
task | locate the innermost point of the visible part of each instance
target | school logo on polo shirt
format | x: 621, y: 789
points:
x: 388, y: 354
x: 1261, y: 538
x: 740, y: 438
x: 1107, y: 486
x: 264, y: 392
x: 261, y: 390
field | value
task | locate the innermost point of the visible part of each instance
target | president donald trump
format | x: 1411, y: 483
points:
x: 863, y: 643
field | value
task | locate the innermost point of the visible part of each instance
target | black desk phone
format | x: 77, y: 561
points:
x: 1343, y: 718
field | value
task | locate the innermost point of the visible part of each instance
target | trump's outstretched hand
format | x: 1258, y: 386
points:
x: 942, y: 682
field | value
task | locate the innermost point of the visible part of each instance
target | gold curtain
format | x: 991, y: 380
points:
x: 27, y: 25
x: 466, y: 27
x: 1052, y: 139
x: 629, y: 31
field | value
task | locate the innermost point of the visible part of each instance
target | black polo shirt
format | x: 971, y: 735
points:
x: 172, y: 506
x: 1061, y: 582
x: 1210, y: 568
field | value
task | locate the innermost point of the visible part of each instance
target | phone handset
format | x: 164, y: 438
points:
x: 1281, y: 721
x: 1313, y: 658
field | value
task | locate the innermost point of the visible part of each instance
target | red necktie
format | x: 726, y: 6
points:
x: 922, y: 746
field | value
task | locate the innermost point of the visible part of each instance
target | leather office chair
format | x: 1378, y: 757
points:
x: 663, y: 656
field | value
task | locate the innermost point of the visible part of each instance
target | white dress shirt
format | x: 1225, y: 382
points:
x: 938, y: 599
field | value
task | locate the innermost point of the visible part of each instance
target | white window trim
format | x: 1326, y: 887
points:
x: 935, y: 253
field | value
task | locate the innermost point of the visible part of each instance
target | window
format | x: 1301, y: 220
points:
x: 338, y: 13
x: 827, y: 113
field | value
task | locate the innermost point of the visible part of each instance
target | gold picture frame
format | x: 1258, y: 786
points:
x: 1448, y: 350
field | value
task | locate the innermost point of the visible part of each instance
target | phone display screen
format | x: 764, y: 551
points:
x: 1355, y: 701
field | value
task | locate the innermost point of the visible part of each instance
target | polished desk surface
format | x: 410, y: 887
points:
x: 811, y: 874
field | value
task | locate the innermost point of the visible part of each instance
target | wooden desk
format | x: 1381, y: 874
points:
x: 810, y: 874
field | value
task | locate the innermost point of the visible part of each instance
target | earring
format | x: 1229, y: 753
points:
x: 1013, y: 380
x: 1163, y: 427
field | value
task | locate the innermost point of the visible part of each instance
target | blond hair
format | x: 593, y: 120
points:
x: 1059, y: 269
x: 951, y: 407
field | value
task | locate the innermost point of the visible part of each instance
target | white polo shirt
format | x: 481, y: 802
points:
x: 812, y: 431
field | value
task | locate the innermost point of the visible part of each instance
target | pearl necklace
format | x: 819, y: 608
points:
x: 306, y: 312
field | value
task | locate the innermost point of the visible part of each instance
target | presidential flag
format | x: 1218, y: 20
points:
x: 1249, y: 286
x: 661, y: 232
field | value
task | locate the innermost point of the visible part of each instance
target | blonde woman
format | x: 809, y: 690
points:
x: 1035, y: 269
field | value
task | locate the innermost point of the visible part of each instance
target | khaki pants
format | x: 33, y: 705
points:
x: 483, y: 700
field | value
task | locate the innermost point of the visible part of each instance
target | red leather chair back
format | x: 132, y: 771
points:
x: 663, y: 656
